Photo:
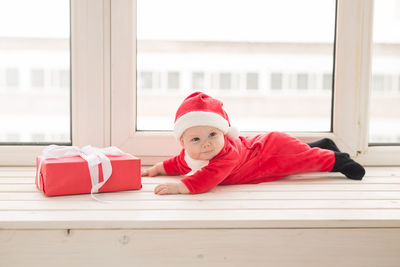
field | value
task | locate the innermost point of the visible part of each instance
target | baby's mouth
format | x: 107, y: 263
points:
x: 207, y: 152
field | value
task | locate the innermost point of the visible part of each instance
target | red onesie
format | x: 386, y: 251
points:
x: 251, y: 160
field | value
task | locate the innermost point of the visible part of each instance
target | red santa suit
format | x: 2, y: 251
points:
x: 250, y: 160
x: 243, y: 160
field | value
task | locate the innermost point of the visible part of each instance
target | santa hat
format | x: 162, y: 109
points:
x: 199, y: 109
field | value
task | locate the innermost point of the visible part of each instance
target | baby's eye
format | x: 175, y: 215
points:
x: 213, y: 134
x: 195, y: 139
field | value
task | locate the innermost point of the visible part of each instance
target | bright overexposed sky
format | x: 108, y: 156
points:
x: 214, y: 20
x: 237, y: 20
x: 34, y: 18
x: 255, y: 20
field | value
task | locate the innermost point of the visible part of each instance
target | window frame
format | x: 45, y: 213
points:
x: 90, y: 82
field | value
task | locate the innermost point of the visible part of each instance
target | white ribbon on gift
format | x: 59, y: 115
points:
x: 93, y: 155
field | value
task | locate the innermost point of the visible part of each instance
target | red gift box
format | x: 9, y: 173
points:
x: 71, y: 175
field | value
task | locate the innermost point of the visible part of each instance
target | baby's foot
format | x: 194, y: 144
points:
x: 325, y: 143
x: 347, y: 166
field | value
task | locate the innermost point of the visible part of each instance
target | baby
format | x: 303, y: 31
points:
x: 214, y: 154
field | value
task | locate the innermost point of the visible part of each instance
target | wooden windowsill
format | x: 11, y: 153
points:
x: 305, y: 220
x: 315, y: 200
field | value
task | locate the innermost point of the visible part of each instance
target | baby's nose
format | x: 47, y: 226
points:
x: 206, y: 144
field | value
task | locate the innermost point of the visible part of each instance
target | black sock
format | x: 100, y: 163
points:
x: 347, y: 166
x: 325, y: 143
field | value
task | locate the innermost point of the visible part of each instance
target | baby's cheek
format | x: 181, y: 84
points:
x: 221, y: 144
x: 193, y: 153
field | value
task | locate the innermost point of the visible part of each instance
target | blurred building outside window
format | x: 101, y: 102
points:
x: 384, y: 126
x: 35, y: 72
x: 266, y: 67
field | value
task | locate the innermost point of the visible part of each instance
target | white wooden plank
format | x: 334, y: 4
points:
x: 370, y: 172
x: 379, y: 169
x: 18, y: 188
x: 64, y: 204
x: 18, y: 169
x: 201, y: 247
x: 290, y: 180
x: 383, y: 171
x: 268, y: 187
x: 288, y: 218
x: 337, y: 177
x: 265, y: 187
x: 16, y: 174
x: 212, y: 195
x: 295, y: 179
x: 17, y: 180
x: 339, y: 180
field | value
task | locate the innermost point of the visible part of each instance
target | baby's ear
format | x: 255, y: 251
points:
x: 181, y: 141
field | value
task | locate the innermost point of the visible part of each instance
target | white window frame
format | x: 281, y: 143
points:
x: 104, y: 98
x: 90, y: 73
x: 351, y: 97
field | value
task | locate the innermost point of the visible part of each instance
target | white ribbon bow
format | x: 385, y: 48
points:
x: 93, y: 155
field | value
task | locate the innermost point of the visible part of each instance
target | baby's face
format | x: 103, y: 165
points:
x: 202, y: 142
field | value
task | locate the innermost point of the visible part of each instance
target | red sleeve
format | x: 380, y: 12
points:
x: 176, y: 165
x: 213, y: 174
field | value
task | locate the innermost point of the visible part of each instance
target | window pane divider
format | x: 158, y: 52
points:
x: 352, y: 72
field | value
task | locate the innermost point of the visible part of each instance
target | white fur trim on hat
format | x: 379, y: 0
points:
x: 233, y: 132
x: 200, y: 118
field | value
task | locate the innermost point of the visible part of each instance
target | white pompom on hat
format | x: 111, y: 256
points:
x: 199, y: 109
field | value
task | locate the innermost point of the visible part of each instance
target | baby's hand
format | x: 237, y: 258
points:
x: 171, y: 188
x: 149, y: 172
x: 155, y: 170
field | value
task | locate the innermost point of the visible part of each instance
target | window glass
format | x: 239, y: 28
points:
x: 327, y: 81
x: 34, y: 43
x: 37, y: 78
x: 268, y: 52
x: 225, y: 81
x: 145, y: 80
x: 173, y: 80
x: 12, y: 77
x: 276, y: 81
x: 63, y: 78
x: 302, y: 81
x: 398, y: 84
x: 252, y: 81
x: 198, y: 80
x: 385, y: 84
x: 378, y: 83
